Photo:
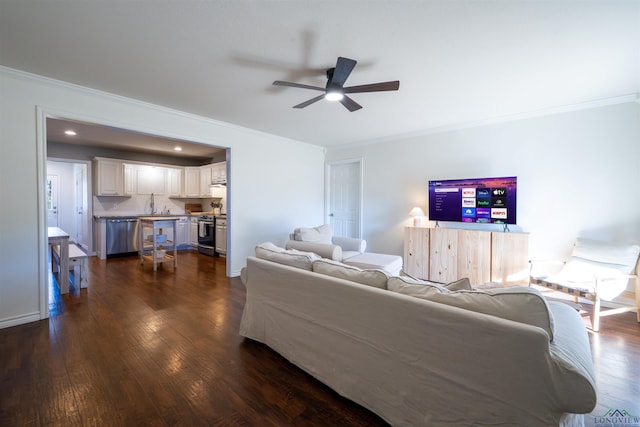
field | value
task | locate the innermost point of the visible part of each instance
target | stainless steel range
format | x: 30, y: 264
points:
x: 206, y: 235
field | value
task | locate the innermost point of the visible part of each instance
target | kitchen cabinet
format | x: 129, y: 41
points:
x: 108, y: 177
x: 206, y: 172
x: 182, y: 234
x: 129, y: 173
x: 151, y: 180
x: 193, y: 232
x: 191, y: 182
x: 219, y: 171
x: 174, y: 182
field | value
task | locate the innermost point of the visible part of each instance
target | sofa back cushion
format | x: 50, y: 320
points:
x: 375, y: 278
x: 319, y: 234
x: 291, y: 257
x: 517, y: 303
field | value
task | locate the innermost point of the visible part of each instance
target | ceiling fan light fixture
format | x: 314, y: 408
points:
x: 334, y: 96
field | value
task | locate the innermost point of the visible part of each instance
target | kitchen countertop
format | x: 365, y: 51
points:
x: 159, y: 217
x: 114, y: 216
x: 131, y: 216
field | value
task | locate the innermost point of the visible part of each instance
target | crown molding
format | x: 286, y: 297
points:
x: 623, y: 99
x: 24, y: 75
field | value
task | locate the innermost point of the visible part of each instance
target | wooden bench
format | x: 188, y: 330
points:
x: 77, y: 258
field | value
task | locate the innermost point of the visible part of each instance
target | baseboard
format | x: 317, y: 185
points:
x: 19, y: 320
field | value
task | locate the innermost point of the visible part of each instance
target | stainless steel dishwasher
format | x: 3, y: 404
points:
x: 122, y: 236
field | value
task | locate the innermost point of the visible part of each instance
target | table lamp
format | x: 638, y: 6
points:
x: 417, y: 215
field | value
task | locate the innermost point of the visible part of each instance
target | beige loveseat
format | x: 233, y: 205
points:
x: 414, y: 361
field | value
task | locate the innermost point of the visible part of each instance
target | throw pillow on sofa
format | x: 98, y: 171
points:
x: 459, y: 285
x: 375, y: 278
x: 291, y: 257
x: 517, y: 303
x: 320, y: 234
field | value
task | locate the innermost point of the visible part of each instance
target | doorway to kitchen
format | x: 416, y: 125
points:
x: 81, y: 179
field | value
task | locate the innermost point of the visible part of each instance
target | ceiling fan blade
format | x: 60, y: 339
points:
x: 298, y: 85
x: 344, y: 67
x: 309, y: 102
x: 373, y: 87
x: 350, y: 104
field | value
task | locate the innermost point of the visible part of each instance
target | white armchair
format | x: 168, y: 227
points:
x: 596, y: 271
x: 320, y: 240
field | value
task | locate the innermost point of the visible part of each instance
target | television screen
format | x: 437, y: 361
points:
x: 478, y: 200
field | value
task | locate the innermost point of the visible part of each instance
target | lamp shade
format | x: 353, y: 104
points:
x: 417, y: 214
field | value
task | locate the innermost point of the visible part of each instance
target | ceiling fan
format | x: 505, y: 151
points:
x: 335, y: 90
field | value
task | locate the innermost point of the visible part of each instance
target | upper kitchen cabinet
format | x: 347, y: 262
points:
x: 219, y: 172
x: 109, y: 177
x: 151, y: 179
x: 215, y: 173
x: 206, y: 172
x: 191, y: 181
x: 174, y: 182
x: 129, y: 181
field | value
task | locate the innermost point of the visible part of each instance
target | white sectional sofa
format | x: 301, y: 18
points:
x: 414, y: 361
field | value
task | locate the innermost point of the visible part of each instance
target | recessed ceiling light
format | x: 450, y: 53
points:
x: 70, y: 132
x: 177, y: 148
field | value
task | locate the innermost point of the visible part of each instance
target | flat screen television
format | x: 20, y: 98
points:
x: 475, y: 200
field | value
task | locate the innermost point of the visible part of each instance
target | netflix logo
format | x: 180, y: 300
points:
x: 468, y: 192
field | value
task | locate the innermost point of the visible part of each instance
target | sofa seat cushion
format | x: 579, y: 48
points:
x: 291, y: 257
x: 375, y: 278
x: 517, y: 303
x: 391, y: 264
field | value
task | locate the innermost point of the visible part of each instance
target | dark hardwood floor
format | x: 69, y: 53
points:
x: 145, y: 348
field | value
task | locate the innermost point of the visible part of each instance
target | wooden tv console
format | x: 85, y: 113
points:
x: 448, y: 254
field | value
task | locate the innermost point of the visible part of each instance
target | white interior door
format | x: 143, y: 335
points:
x: 52, y: 200
x: 80, y: 203
x: 345, y: 198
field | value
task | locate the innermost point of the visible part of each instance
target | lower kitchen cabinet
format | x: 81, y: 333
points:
x: 193, y: 232
x: 182, y: 234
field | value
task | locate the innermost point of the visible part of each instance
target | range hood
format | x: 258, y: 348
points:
x: 218, y: 183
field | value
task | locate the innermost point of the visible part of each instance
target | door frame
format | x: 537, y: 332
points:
x: 42, y: 114
x: 327, y: 192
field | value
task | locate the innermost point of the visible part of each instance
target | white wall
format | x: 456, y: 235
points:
x: 265, y: 203
x: 578, y: 176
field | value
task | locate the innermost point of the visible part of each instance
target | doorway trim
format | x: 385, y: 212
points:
x: 42, y: 113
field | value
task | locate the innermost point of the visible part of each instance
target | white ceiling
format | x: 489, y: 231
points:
x: 458, y: 62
